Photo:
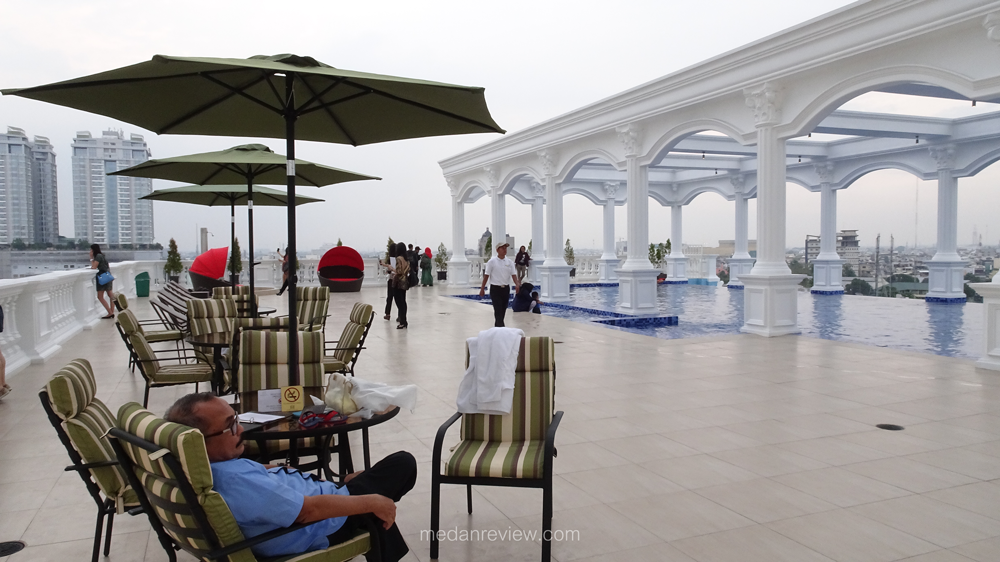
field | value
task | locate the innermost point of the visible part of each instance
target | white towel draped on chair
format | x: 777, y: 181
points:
x: 488, y: 385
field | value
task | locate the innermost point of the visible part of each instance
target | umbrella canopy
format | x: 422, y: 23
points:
x: 245, y: 164
x: 249, y: 98
x: 211, y: 264
x: 215, y: 195
x: 282, y: 96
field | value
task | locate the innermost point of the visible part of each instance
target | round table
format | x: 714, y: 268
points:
x: 265, y: 311
x: 290, y: 429
x: 217, y: 341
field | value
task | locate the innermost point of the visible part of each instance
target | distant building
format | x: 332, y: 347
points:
x: 29, y: 207
x: 848, y: 247
x: 107, y: 209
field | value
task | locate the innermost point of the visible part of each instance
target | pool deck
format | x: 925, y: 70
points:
x: 721, y: 449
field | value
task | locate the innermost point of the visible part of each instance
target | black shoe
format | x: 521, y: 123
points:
x: 402, y: 326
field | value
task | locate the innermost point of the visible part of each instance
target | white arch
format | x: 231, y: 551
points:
x: 575, y: 162
x: 842, y: 92
x: 468, y: 194
x: 703, y: 190
x: 669, y: 139
x: 589, y: 194
x: 983, y: 162
x: 863, y: 170
x: 511, y: 179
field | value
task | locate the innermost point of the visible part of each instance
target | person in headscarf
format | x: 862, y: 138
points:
x: 426, y: 278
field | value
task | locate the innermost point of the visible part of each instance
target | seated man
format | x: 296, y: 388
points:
x: 263, y: 498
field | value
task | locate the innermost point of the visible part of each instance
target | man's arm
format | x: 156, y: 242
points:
x: 316, y: 508
x: 517, y: 283
x: 482, y: 289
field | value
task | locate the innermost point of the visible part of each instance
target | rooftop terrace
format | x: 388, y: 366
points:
x: 731, y: 448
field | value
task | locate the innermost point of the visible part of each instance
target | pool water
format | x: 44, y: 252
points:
x: 953, y: 330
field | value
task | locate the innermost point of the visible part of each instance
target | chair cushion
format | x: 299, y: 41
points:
x: 361, y: 313
x: 331, y: 365
x: 164, y: 335
x: 264, y: 359
x: 186, y: 443
x: 211, y: 315
x: 348, y: 342
x: 356, y: 546
x: 497, y: 459
x: 72, y: 389
x: 193, y: 372
x: 122, y: 301
x: 127, y: 320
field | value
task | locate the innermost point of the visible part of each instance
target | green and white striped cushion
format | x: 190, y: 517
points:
x: 264, y: 359
x: 224, y: 292
x: 182, y: 373
x: 209, y: 316
x: 127, y: 320
x: 361, y: 313
x: 348, y: 342
x: 163, y: 335
x: 313, y: 304
x: 519, y: 459
x: 86, y: 419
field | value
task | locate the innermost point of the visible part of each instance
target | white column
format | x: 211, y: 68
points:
x: 677, y: 261
x: 946, y: 283
x: 741, y: 263
x: 555, y: 270
x: 537, y: 233
x: 459, y: 268
x: 608, y: 262
x: 637, y: 277
x: 771, y: 290
x: 991, y: 323
x: 498, y: 209
x: 828, y: 268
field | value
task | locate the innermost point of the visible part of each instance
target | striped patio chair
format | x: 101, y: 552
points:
x: 127, y: 325
x: 514, y: 449
x: 312, y: 305
x: 263, y: 364
x: 157, y: 374
x: 347, y: 349
x: 81, y: 420
x: 168, y: 467
x: 240, y: 294
x: 210, y: 316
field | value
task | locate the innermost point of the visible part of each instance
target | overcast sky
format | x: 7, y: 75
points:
x: 535, y: 59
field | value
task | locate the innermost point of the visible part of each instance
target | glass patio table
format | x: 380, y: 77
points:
x: 289, y: 429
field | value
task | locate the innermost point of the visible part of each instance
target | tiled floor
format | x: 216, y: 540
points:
x: 734, y: 448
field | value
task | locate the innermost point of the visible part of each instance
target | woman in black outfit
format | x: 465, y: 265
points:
x: 399, y: 282
x: 388, y: 293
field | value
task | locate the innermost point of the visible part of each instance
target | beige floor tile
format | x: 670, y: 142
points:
x: 680, y: 515
x: 491, y: 541
x: 698, y: 471
x: 894, y: 442
x: 125, y: 547
x: 523, y: 502
x: 873, y: 415
x: 621, y: 483
x: 584, y: 456
x: 76, y: 522
x: 938, y: 556
x: 846, y: 536
x: 712, y: 439
x: 909, y: 474
x: 933, y: 521
x: 840, y: 487
x: 24, y: 495
x: 642, y: 448
x: 980, y: 551
x: 949, y: 434
x: 749, y: 544
x: 600, y: 529
x: 982, y: 498
x: 962, y: 461
x: 833, y: 451
x: 14, y: 523
x: 769, y: 460
x: 652, y: 553
x: 764, y: 500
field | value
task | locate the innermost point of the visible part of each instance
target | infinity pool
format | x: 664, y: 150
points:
x: 953, y: 330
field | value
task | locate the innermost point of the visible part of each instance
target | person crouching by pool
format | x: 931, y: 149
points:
x: 100, y: 263
x: 263, y: 498
x: 526, y: 300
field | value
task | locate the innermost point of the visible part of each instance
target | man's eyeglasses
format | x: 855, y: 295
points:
x: 231, y: 429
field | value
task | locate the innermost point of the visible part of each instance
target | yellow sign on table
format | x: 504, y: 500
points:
x: 293, y: 398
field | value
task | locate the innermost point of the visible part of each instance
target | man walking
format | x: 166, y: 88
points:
x: 499, y: 273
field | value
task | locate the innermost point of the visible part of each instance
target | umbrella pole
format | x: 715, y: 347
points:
x: 253, y: 298
x: 233, y: 276
x: 292, y: 251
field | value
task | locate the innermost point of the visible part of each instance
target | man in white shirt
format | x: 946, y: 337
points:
x: 499, y: 273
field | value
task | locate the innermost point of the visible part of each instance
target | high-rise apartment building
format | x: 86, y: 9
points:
x: 848, y: 247
x: 29, y: 206
x: 107, y: 209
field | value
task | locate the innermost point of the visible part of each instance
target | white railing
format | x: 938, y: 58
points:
x: 267, y: 273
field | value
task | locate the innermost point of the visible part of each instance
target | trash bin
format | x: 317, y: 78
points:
x: 142, y: 285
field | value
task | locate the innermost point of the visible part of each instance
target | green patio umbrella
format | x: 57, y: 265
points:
x: 232, y: 195
x: 247, y: 164
x: 282, y: 96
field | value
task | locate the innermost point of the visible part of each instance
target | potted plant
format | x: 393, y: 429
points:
x: 570, y: 258
x: 235, y: 266
x: 441, y: 261
x: 173, y: 268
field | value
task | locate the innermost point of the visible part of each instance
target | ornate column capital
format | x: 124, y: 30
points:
x: 765, y: 102
x: 538, y: 189
x: 548, y: 162
x: 492, y: 176
x: 944, y: 155
x: 825, y: 171
x: 992, y: 25
x: 452, y: 186
x: 630, y: 136
x: 738, y: 181
x: 611, y: 189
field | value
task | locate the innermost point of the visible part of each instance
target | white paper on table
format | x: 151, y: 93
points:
x: 257, y: 417
x: 269, y: 400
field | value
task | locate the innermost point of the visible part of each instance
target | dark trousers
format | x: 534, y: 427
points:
x: 499, y: 295
x: 391, y: 477
x: 388, y: 298
x: 399, y: 295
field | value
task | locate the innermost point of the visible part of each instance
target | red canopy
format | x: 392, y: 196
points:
x: 342, y: 255
x: 212, y: 263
